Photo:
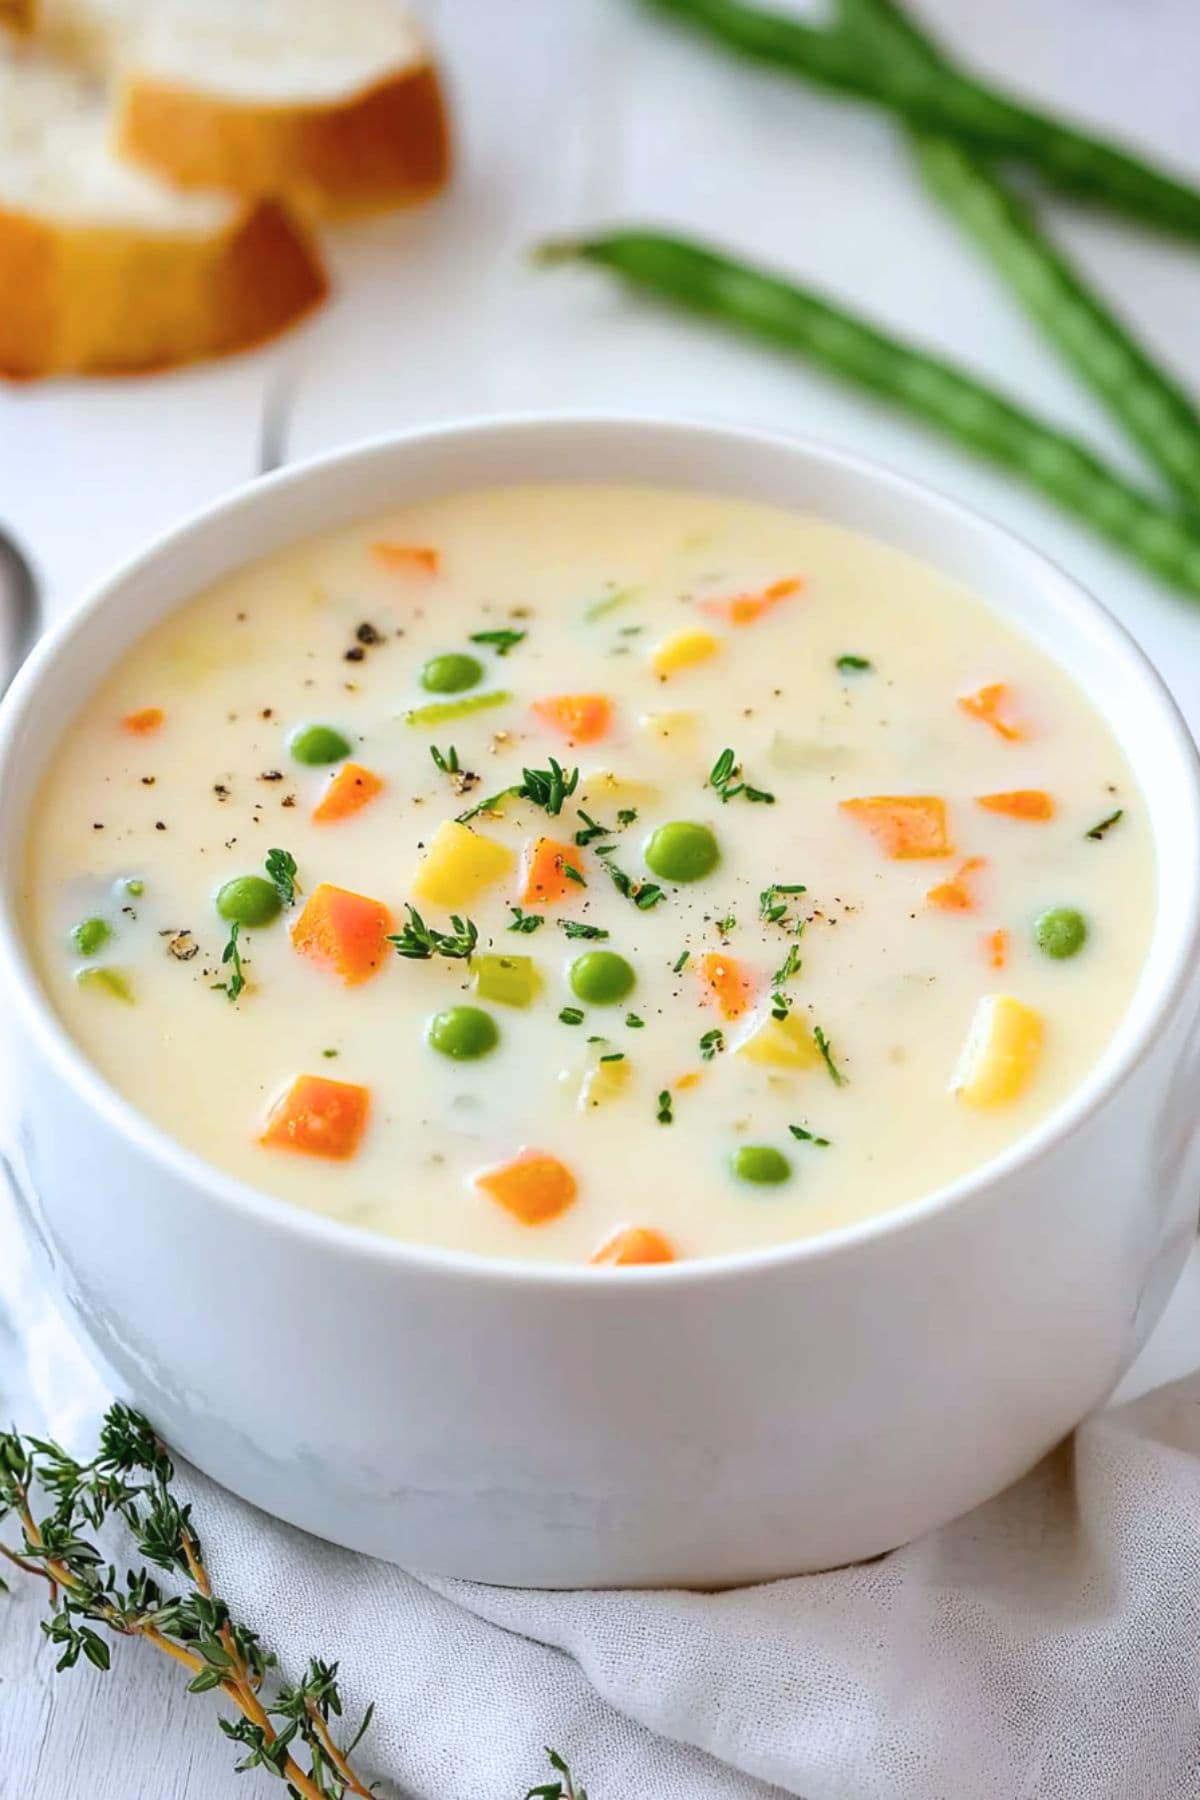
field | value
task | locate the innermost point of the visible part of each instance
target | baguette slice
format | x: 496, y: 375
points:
x: 334, y: 105
x: 105, y: 268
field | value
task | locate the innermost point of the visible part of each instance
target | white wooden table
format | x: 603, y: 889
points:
x: 571, y: 113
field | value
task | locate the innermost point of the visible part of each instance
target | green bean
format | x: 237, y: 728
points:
x: 1143, y: 399
x: 945, y: 100
x: 944, y: 395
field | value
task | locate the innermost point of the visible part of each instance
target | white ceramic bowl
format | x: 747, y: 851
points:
x: 701, y: 1423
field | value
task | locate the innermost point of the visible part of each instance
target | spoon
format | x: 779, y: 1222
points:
x: 20, y: 608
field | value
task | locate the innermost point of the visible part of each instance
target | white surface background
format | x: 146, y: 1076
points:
x: 571, y: 113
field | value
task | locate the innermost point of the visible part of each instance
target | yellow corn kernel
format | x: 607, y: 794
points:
x: 607, y: 1081
x: 683, y: 649
x: 671, y: 728
x: 782, y: 1044
x: 1001, y: 1052
x: 458, y: 863
x: 603, y: 784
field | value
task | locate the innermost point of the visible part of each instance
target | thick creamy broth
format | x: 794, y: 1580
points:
x: 870, y: 706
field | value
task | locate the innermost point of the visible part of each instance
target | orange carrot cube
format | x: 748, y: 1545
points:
x: 906, y: 826
x: 580, y: 718
x: 147, y: 720
x: 419, y: 558
x: 347, y: 932
x: 544, y: 878
x: 636, y: 1244
x: 534, y: 1187
x: 955, y: 895
x: 348, y: 792
x: 744, y: 609
x: 996, y: 944
x: 1022, y: 803
x: 992, y: 704
x: 728, y: 983
x: 319, y: 1117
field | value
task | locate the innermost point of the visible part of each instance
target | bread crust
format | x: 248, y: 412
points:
x: 114, y: 300
x: 386, y: 146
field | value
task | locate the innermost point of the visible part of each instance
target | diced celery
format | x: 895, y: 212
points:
x: 109, y: 981
x: 439, y: 711
x: 506, y: 980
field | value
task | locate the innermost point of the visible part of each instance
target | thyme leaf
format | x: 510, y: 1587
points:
x: 419, y: 941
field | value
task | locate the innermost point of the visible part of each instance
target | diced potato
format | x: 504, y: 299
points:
x: 458, y: 863
x: 782, y: 1044
x: 670, y: 728
x: 682, y: 650
x: 508, y: 980
x: 795, y: 755
x: 1001, y: 1053
x: 621, y: 790
x: 606, y: 1082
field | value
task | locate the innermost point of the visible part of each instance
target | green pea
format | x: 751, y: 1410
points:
x: 451, y: 674
x: 91, y: 935
x: 318, y: 744
x: 682, y: 851
x: 463, y: 1032
x: 601, y: 978
x: 760, y: 1163
x: 1061, y: 931
x: 248, y: 900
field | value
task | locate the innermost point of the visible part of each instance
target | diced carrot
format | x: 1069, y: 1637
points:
x: 906, y: 826
x: 534, y: 1187
x: 743, y: 609
x: 636, y: 1244
x: 345, y: 931
x: 955, y: 895
x: 544, y: 877
x: 148, y: 719
x: 347, y: 793
x: 581, y: 718
x: 728, y: 982
x: 992, y: 705
x: 996, y: 944
x: 319, y: 1117
x: 1022, y: 803
x: 407, y: 556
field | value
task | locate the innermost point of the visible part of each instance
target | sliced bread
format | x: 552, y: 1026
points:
x: 107, y: 268
x: 334, y: 105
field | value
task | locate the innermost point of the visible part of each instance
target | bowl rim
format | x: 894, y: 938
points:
x: 31, y: 1008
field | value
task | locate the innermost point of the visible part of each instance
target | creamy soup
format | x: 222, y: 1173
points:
x: 591, y: 873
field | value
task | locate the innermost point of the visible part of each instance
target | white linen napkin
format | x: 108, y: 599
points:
x: 1045, y: 1647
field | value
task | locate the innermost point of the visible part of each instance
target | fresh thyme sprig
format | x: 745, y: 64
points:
x: 711, y: 1044
x: 788, y: 967
x: 644, y: 894
x: 281, y: 872
x: 725, y: 780
x: 575, y: 928
x: 774, y: 911
x: 564, y: 1789
x: 285, y: 1728
x: 420, y: 941
x: 548, y: 787
x: 501, y: 641
x: 525, y: 922
x: 592, y: 829
x: 236, y: 983
x: 826, y: 1048
x: 1106, y: 824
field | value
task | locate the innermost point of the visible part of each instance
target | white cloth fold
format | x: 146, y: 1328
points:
x: 1045, y: 1647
